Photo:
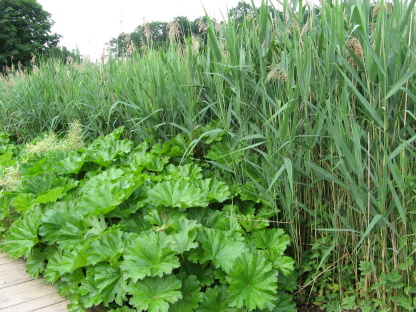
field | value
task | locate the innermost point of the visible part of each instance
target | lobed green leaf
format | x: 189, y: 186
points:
x: 22, y: 235
x: 153, y: 294
x: 253, y: 282
x: 150, y: 254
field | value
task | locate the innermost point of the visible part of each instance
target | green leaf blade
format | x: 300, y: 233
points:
x: 221, y: 249
x: 253, y: 283
x: 191, y: 295
x: 178, y: 194
x: 149, y: 255
x: 110, y: 283
x: 153, y: 294
x: 108, y: 246
x: 22, y: 235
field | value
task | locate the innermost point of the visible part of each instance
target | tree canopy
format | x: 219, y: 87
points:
x: 25, y: 30
x: 158, y: 34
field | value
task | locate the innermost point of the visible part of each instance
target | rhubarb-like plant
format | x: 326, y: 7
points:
x: 142, y: 229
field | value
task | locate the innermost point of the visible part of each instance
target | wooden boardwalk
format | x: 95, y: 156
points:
x: 21, y: 293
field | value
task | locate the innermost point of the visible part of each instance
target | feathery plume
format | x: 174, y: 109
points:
x: 147, y: 32
x: 174, y: 30
x: 277, y: 73
x: 355, y: 46
x: 202, y: 26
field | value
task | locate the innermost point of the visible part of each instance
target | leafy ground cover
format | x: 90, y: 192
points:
x: 318, y: 107
x: 140, y: 228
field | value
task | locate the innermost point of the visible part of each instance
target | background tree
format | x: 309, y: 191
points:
x: 65, y: 55
x: 25, y: 29
x: 118, y: 46
x: 242, y: 10
x: 156, y: 34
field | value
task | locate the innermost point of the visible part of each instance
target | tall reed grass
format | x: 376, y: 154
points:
x: 319, y: 105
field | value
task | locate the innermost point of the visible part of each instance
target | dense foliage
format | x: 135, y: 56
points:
x: 141, y: 227
x: 158, y: 35
x: 318, y: 105
x: 24, y: 31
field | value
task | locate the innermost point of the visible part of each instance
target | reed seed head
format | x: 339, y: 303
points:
x: 376, y: 9
x: 388, y: 7
x: 217, y: 27
x: 130, y: 47
x: 174, y: 30
x: 249, y: 16
x: 277, y: 73
x: 295, y: 26
x: 196, y: 44
x: 304, y: 30
x: 355, y: 46
x: 202, y: 26
x: 103, y: 57
x: 70, y: 60
x: 147, y: 32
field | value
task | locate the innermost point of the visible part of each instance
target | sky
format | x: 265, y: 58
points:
x: 89, y: 24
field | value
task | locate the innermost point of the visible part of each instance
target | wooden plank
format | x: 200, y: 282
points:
x: 17, y: 265
x: 4, y: 256
x: 7, y: 268
x: 6, y: 260
x: 52, y: 301
x: 18, y: 262
x: 23, y: 292
x: 13, y: 277
x: 57, y: 307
